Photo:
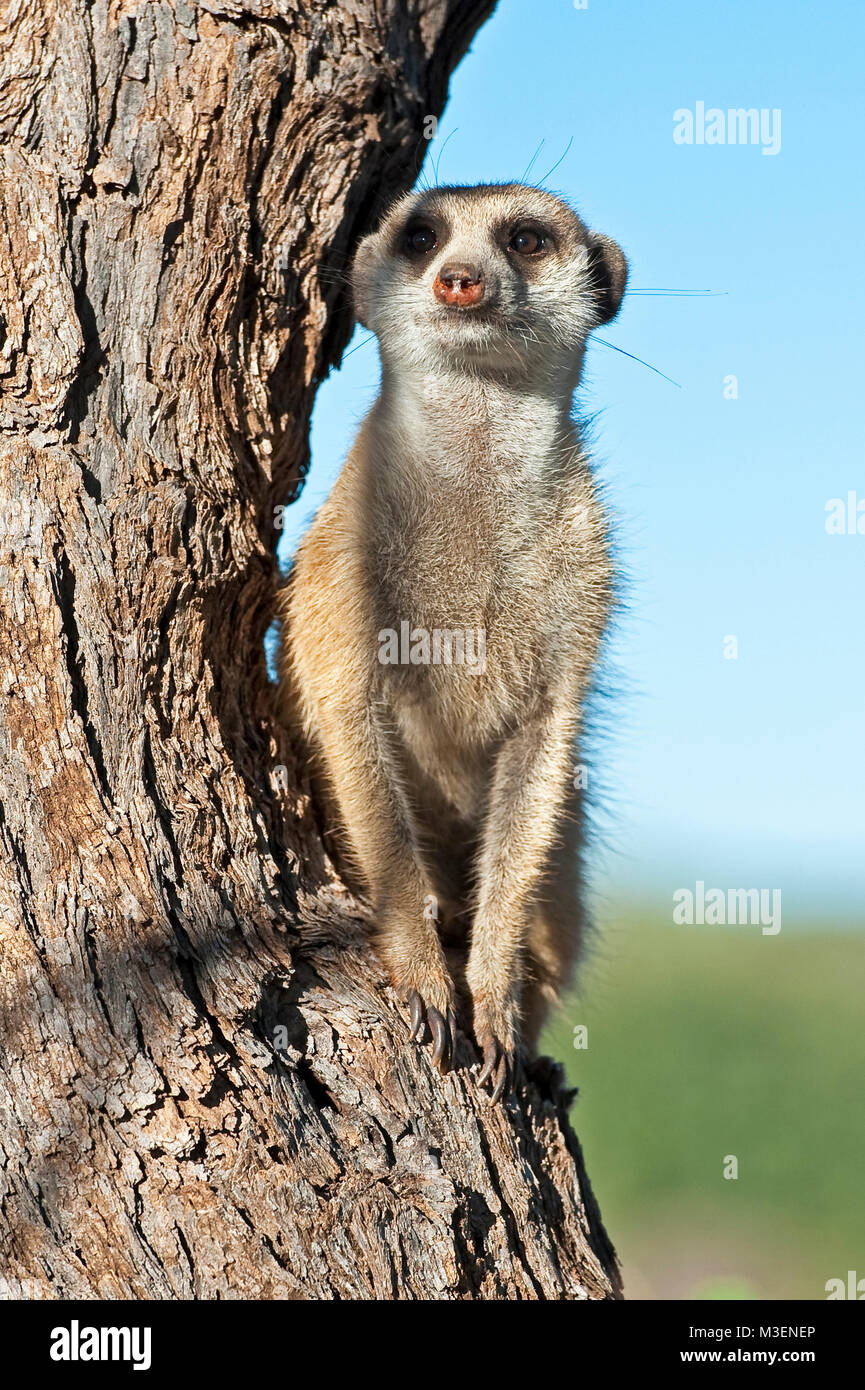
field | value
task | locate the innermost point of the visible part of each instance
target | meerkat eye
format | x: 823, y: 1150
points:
x: 527, y: 242
x: 420, y: 240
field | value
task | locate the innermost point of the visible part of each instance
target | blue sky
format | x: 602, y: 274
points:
x: 745, y: 772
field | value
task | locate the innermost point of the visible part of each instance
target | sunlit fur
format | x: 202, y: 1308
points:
x: 466, y: 502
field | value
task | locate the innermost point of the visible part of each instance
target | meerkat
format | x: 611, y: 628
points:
x: 466, y: 506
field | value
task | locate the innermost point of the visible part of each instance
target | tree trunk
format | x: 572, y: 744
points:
x: 207, y: 1088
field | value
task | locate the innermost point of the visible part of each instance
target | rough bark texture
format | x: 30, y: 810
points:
x: 207, y: 1088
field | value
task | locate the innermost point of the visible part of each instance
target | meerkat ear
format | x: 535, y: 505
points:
x: 609, y: 271
x: 361, y: 269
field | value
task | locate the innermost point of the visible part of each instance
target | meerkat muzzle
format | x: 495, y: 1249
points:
x: 459, y: 286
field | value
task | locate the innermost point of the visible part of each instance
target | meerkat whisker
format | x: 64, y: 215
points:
x: 604, y: 343
x: 559, y: 161
x: 528, y: 167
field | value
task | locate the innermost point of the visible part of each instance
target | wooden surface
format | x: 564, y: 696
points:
x: 207, y: 1087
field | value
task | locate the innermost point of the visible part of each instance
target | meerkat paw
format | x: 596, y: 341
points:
x: 442, y: 1026
x: 496, y: 1036
x: 430, y: 1000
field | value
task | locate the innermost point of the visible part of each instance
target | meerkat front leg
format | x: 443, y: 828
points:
x: 332, y: 685
x: 526, y: 801
x: 377, y: 819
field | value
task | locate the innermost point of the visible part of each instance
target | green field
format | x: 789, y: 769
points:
x: 705, y: 1042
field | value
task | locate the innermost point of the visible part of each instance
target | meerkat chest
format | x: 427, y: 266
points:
x: 456, y: 559
x: 477, y: 598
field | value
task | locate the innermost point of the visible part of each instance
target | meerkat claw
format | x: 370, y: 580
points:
x: 497, y: 1068
x: 442, y: 1029
x: 438, y: 1029
x: 415, y: 1004
x: 491, y: 1054
x: 502, y: 1079
x: 442, y: 1036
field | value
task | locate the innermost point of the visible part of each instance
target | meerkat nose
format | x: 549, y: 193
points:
x: 459, y: 285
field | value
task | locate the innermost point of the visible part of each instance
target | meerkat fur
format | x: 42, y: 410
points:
x: 466, y: 504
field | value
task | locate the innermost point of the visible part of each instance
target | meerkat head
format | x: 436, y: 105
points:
x: 497, y: 277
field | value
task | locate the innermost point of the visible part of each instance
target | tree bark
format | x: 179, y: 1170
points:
x: 207, y: 1085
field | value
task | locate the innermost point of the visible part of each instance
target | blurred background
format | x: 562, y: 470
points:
x: 730, y: 750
